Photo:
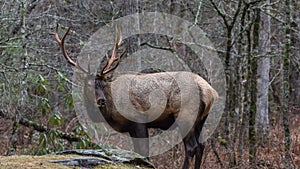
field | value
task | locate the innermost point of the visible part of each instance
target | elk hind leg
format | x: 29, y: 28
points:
x: 190, y: 146
x: 200, y: 144
x: 198, y: 157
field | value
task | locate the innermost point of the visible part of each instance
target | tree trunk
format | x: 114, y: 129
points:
x: 262, y: 116
x: 253, y: 87
x: 295, y: 64
x: 243, y: 89
x: 286, y: 87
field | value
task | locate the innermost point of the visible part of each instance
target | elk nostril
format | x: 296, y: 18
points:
x: 101, y: 102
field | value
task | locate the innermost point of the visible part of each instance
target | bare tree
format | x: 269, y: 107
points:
x: 285, y: 83
x: 262, y: 116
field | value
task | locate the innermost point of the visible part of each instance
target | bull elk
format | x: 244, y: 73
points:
x: 141, y: 84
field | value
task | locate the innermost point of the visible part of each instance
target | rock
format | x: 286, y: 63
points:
x: 104, y: 156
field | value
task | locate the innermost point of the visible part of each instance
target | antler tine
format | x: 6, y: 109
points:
x: 89, y: 64
x: 61, y: 43
x: 119, y: 38
x: 118, y: 43
x: 117, y: 60
x: 113, y: 59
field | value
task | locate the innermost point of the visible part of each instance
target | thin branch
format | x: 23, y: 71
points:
x: 43, y: 129
x: 220, y: 13
x: 53, y: 68
x: 198, y: 12
x: 159, y: 47
x: 212, y: 142
x: 8, y: 67
x: 236, y: 13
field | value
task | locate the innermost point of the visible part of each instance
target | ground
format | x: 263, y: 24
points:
x: 270, y: 155
x: 39, y: 162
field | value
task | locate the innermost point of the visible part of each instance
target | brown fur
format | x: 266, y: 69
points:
x: 139, y: 88
x: 142, y: 88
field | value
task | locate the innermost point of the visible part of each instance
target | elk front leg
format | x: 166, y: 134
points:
x: 139, y: 134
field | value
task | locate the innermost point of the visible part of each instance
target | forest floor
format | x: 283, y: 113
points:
x: 44, y: 161
x: 270, y: 155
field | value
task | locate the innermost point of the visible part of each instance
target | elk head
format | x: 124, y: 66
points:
x: 95, y: 82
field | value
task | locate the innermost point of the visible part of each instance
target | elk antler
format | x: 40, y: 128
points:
x: 113, y: 61
x: 61, y: 43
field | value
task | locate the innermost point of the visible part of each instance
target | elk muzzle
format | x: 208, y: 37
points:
x: 101, y: 102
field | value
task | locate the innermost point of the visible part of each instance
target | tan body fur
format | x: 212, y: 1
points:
x: 140, y: 87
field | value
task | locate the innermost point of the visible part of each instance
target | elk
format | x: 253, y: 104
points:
x: 141, y: 84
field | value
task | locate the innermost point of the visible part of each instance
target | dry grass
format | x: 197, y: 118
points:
x: 30, y: 162
x: 41, y: 162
